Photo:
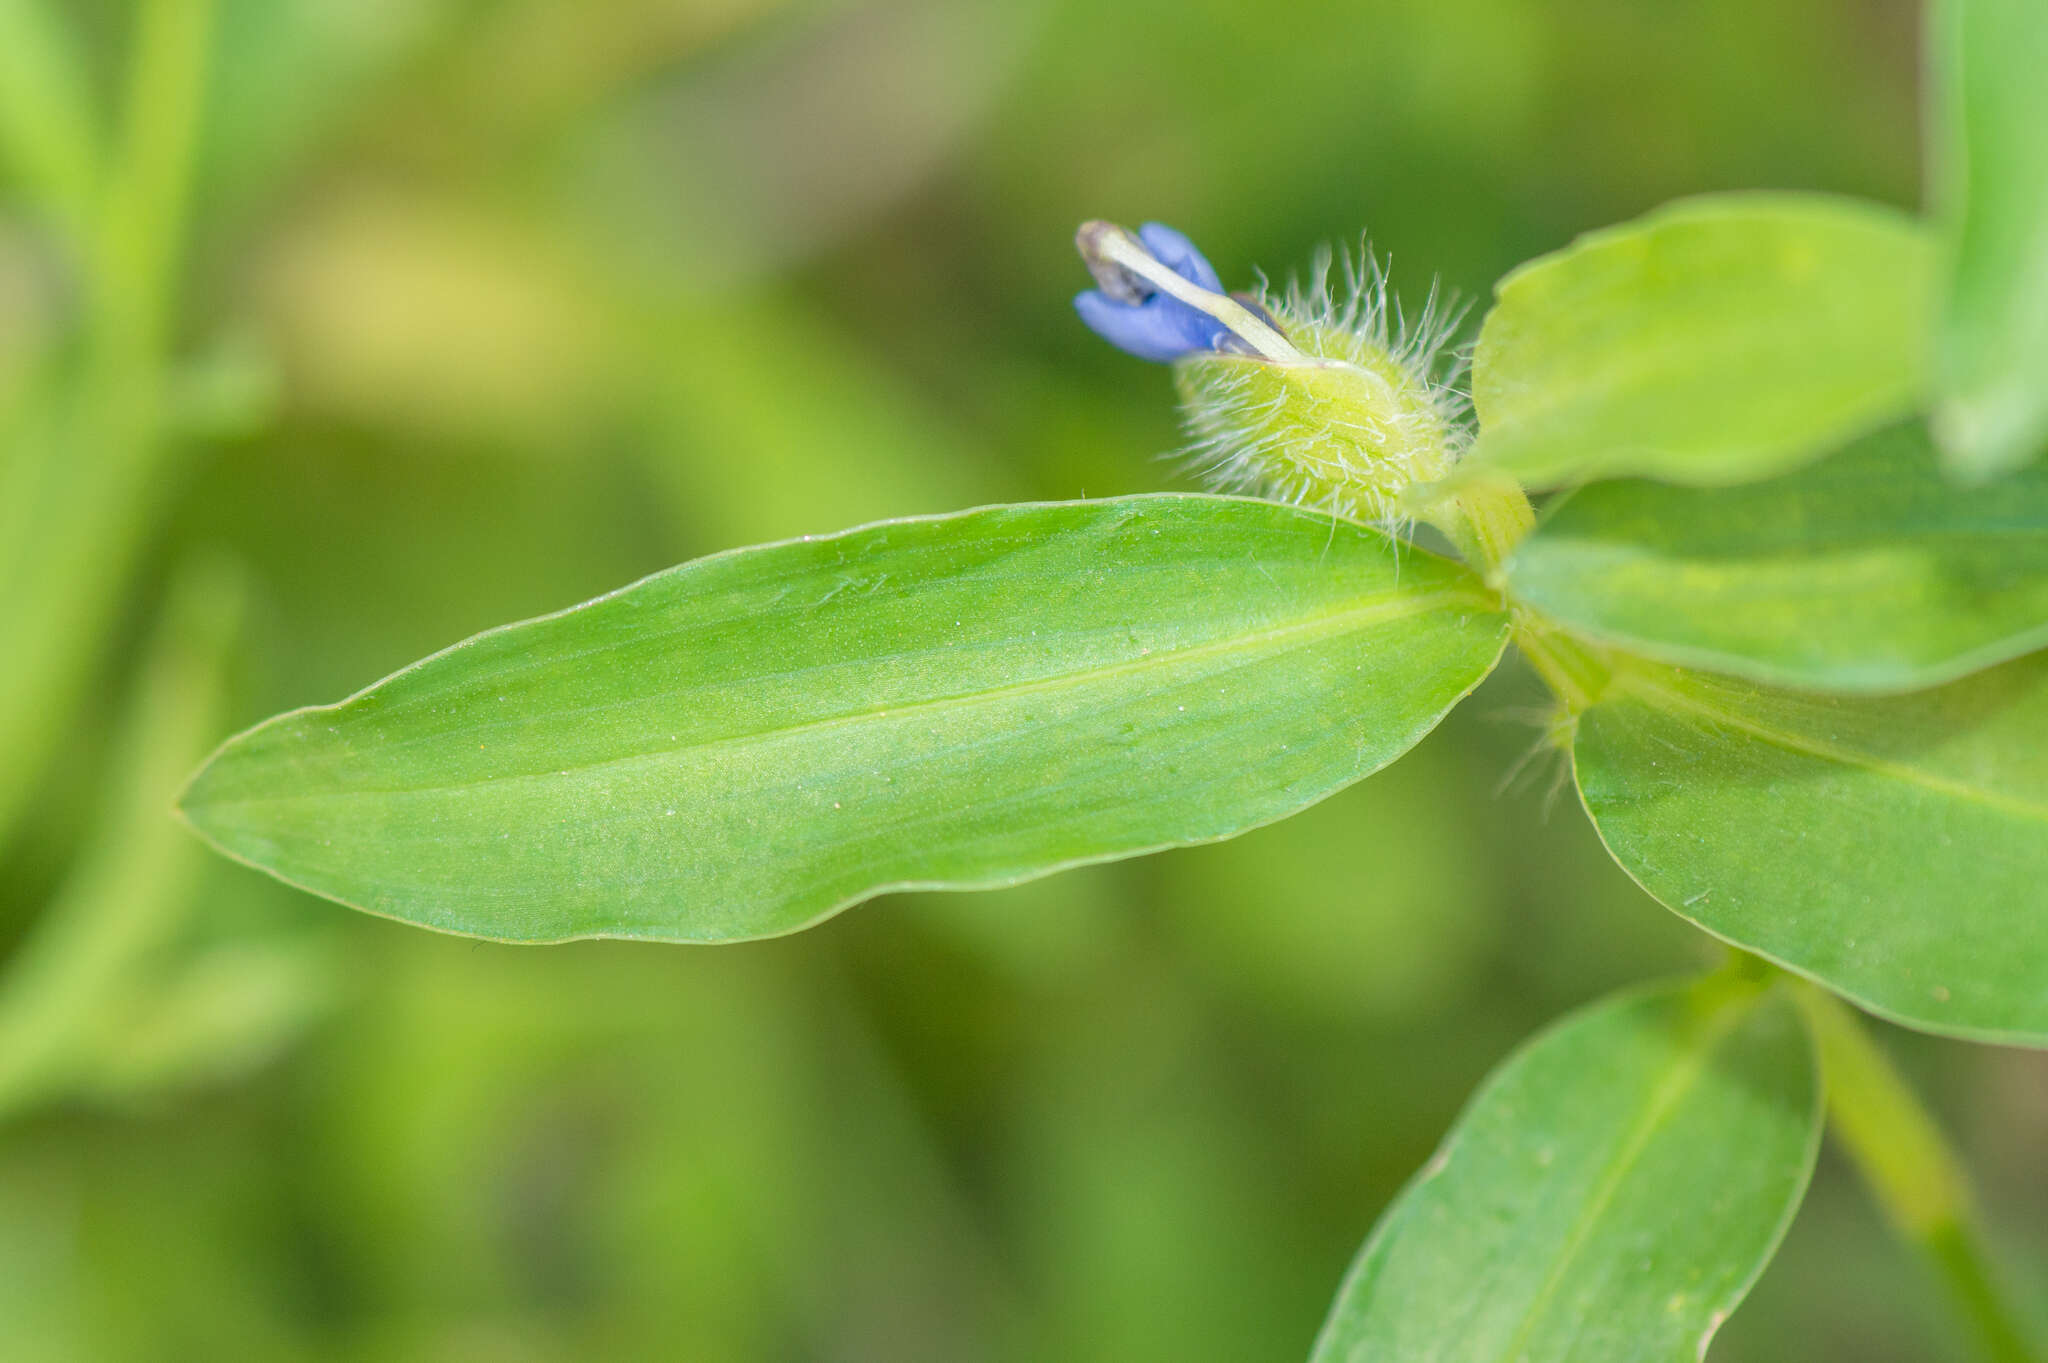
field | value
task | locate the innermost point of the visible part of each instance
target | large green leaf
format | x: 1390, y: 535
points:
x: 1866, y: 572
x: 1713, y: 341
x: 1894, y: 848
x: 1609, y: 1195
x: 745, y: 744
x: 1991, y: 196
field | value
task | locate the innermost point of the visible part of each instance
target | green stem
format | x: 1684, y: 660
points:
x: 90, y: 454
x: 1485, y: 516
x: 1916, y: 1178
x: 1577, y: 672
x: 142, y: 220
x: 124, y: 898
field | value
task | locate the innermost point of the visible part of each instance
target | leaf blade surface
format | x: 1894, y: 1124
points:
x: 745, y: 744
x: 1609, y: 1194
x: 1893, y: 848
x: 1712, y: 341
x: 1869, y: 571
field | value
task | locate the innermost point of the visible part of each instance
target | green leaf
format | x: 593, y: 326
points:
x: 748, y: 743
x: 49, y: 144
x: 1609, y: 1195
x: 1894, y: 849
x: 1991, y: 199
x: 1713, y: 341
x: 1866, y: 572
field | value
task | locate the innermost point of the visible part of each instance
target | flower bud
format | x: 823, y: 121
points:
x: 1308, y: 400
x: 1366, y: 414
x: 1341, y: 404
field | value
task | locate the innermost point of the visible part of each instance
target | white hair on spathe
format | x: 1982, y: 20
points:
x: 1377, y: 407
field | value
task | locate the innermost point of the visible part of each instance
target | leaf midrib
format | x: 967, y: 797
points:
x: 1373, y: 610
x: 1663, y: 1100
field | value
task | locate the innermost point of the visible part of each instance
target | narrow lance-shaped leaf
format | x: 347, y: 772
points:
x: 98, y: 948
x: 745, y: 744
x: 1608, y: 1197
x: 1990, y: 154
x: 1869, y: 571
x: 1713, y: 341
x: 1894, y: 849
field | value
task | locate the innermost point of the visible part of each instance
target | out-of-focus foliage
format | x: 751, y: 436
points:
x: 1990, y: 181
x: 485, y: 308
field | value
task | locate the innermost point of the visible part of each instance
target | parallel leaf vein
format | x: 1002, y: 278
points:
x: 1663, y: 1099
x: 1810, y: 746
x: 1370, y: 611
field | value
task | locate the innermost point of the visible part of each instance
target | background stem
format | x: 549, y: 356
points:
x: 128, y: 894
x: 89, y: 459
x: 1916, y: 1177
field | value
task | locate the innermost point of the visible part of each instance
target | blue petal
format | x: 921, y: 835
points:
x: 1178, y: 254
x: 1148, y: 330
x: 1160, y: 327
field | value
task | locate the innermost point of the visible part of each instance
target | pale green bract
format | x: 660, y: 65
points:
x: 1869, y: 571
x: 1712, y: 341
x: 1610, y: 1193
x: 1991, y: 197
x: 745, y: 744
x: 1895, y: 849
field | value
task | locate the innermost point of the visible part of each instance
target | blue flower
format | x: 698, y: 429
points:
x: 1133, y: 315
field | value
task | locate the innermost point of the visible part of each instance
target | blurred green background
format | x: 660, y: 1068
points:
x: 332, y: 331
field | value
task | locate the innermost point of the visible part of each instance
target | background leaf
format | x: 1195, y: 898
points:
x: 1894, y: 849
x: 1991, y: 198
x: 1868, y: 571
x: 1714, y: 340
x: 49, y: 143
x: 740, y: 746
x: 1609, y: 1195
x: 115, y: 925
